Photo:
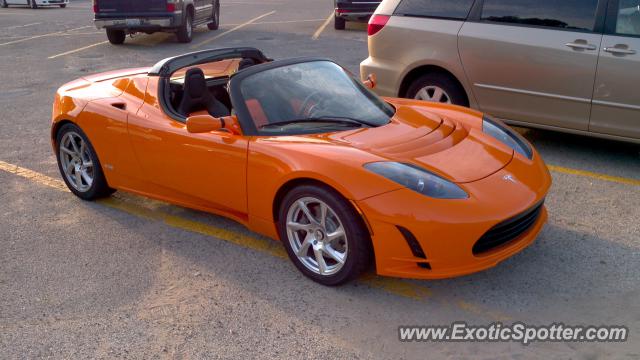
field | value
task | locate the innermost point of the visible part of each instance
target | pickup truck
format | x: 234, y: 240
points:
x: 123, y: 17
x: 353, y: 10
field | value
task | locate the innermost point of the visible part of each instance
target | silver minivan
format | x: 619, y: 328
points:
x: 571, y: 65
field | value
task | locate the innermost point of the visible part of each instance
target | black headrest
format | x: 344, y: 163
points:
x: 195, y: 84
x: 245, y: 63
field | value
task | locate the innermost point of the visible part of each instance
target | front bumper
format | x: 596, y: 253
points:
x: 51, y: 2
x: 447, y: 230
x: 135, y: 23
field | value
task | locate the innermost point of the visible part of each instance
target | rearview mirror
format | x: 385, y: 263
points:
x: 203, y: 123
x: 371, y: 81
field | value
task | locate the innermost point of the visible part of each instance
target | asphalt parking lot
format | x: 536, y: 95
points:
x: 128, y: 277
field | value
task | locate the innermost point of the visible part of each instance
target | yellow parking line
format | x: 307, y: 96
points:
x: 145, y: 209
x: 41, y: 36
x: 593, y: 175
x: 316, y: 35
x: 235, y: 28
x: 77, y: 50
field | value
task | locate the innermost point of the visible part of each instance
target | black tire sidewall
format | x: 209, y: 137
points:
x: 445, y: 82
x: 357, y: 236
x: 99, y: 188
x: 116, y: 37
x: 215, y: 22
x: 184, y: 36
x: 339, y: 23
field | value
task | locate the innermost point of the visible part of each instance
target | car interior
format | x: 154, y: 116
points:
x: 195, y: 93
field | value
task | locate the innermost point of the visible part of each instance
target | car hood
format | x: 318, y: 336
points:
x: 439, y: 143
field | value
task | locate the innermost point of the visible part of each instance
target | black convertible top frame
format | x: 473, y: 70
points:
x: 168, y: 66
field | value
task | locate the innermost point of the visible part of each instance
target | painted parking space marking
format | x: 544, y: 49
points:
x: 322, y: 27
x: 594, y: 175
x: 233, y: 29
x: 42, y: 35
x: 78, y: 50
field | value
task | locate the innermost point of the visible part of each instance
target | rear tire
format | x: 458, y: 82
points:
x: 116, y: 37
x: 424, y: 87
x: 215, y: 22
x: 185, y: 32
x: 341, y: 233
x: 3, y: 4
x: 339, y: 23
x: 32, y: 4
x: 77, y: 156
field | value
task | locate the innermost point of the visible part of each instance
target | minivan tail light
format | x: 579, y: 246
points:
x: 376, y: 23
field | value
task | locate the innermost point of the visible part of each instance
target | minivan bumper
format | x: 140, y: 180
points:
x: 388, y: 74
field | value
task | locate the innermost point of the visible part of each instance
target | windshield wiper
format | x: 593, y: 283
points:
x: 324, y: 119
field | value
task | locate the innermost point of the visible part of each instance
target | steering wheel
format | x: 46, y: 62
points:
x: 305, y: 109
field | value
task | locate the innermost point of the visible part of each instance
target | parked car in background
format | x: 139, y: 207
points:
x: 562, y: 65
x: 348, y: 10
x: 34, y: 4
x: 122, y: 17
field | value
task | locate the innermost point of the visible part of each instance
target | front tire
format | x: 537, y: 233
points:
x: 79, y: 164
x: 215, y: 22
x: 185, y: 33
x: 324, y: 236
x: 116, y: 37
x: 339, y: 23
x: 437, y: 87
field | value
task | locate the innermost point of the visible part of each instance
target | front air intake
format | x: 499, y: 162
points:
x: 414, y: 245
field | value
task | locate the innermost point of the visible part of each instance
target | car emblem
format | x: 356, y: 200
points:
x: 509, y: 178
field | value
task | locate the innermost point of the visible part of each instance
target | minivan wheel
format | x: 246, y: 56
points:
x: 116, y: 37
x: 324, y: 236
x: 437, y: 87
x: 339, y: 23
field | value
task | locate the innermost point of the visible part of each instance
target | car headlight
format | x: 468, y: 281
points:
x: 507, y: 136
x: 418, y: 180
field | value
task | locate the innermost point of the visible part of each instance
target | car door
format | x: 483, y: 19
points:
x: 533, y: 61
x: 616, y: 98
x: 206, y: 170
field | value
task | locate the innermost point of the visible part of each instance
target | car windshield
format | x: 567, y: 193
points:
x: 310, y: 97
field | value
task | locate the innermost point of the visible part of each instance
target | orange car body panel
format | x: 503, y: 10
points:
x: 144, y: 151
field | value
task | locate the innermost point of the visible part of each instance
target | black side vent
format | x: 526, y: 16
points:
x: 414, y: 245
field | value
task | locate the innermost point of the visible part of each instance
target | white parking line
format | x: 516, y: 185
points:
x: 22, y: 26
x: 316, y: 35
x: 232, y: 30
x: 41, y: 36
x: 78, y: 50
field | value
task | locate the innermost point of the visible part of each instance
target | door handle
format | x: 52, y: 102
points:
x: 581, y: 45
x: 620, y: 50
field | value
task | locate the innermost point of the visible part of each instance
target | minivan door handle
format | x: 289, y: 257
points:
x: 620, y: 49
x: 581, y: 45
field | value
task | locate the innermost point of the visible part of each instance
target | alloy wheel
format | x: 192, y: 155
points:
x: 76, y: 161
x: 316, y: 236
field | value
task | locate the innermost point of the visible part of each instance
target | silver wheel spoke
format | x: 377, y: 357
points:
x: 86, y: 177
x: 306, y: 211
x: 322, y: 265
x: 73, y: 153
x: 88, y: 164
x: 69, y: 167
x: 67, y: 151
x: 323, y: 215
x: 297, y: 226
x: 335, y: 255
x: 437, y: 95
x: 74, y: 145
x: 78, y: 177
x: 305, y: 246
x: 338, y: 233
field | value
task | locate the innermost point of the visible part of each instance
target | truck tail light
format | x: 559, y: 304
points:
x: 171, y: 5
x: 376, y: 23
x: 95, y: 6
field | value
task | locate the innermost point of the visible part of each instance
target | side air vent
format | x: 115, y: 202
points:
x: 414, y: 245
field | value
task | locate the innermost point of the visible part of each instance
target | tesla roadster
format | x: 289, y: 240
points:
x: 301, y: 151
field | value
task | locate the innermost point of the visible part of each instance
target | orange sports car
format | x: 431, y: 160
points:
x: 299, y: 150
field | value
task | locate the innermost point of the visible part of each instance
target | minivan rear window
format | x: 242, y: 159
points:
x: 567, y: 14
x: 450, y: 9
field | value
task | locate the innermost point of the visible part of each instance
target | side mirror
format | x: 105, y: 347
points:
x: 371, y: 81
x: 203, y: 124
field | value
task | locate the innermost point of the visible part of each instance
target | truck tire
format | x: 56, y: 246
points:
x: 185, y: 32
x: 339, y: 23
x: 215, y: 21
x: 116, y: 37
x: 3, y: 4
x: 32, y: 4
